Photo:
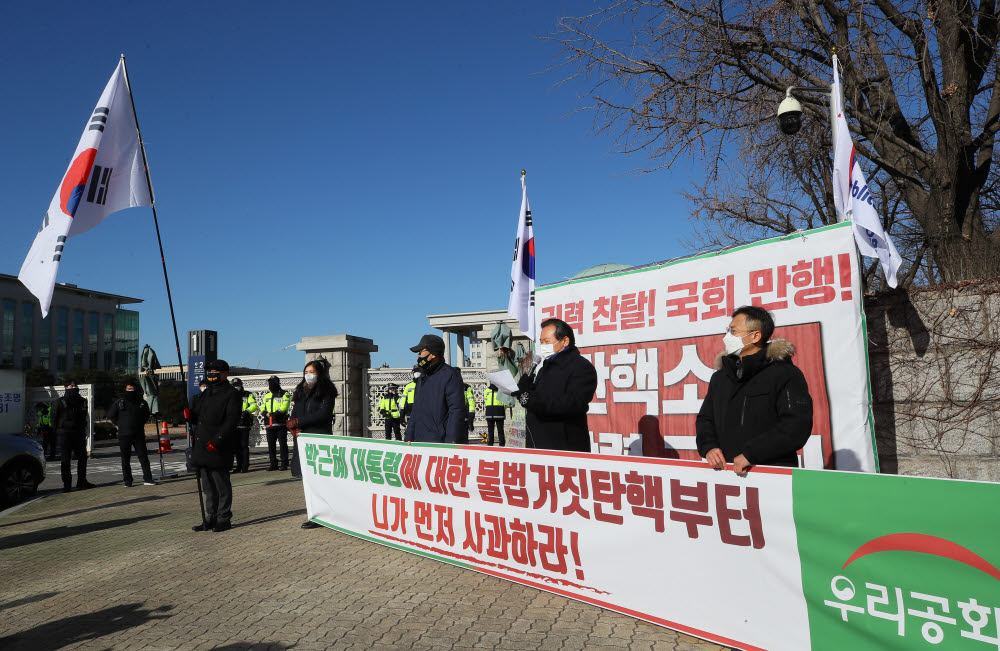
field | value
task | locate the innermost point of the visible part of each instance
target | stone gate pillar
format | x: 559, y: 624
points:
x: 350, y: 359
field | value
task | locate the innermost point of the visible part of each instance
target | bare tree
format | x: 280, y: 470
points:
x: 702, y: 78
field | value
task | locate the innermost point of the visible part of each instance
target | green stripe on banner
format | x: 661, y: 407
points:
x: 898, y: 562
x: 356, y: 439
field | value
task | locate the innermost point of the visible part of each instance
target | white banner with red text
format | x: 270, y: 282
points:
x: 653, y: 335
x: 776, y: 559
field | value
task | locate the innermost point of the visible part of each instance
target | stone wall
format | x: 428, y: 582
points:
x: 933, y: 354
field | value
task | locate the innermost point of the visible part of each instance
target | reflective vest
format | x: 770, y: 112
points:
x: 490, y: 399
x: 277, y: 410
x: 249, y: 403
x: 409, y: 393
x: 389, y: 405
x: 44, y: 420
x: 470, y: 400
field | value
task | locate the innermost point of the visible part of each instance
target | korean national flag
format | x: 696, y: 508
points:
x: 521, y: 305
x: 105, y: 175
x: 853, y: 198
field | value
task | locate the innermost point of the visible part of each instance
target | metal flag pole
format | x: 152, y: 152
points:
x: 159, y: 241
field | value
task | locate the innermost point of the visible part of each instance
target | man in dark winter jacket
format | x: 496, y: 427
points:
x: 439, y: 414
x: 69, y: 418
x: 757, y: 410
x: 216, y: 414
x: 129, y: 414
x: 557, y: 395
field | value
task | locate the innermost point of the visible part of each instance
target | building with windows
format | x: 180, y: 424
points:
x: 84, y: 329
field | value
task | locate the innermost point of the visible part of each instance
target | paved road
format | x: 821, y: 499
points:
x: 115, y: 568
x: 105, y: 465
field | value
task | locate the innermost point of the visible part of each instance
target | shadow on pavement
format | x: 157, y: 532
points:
x: 47, y: 535
x: 271, y: 518
x: 252, y: 646
x: 27, y: 600
x: 138, y: 500
x: 81, y: 628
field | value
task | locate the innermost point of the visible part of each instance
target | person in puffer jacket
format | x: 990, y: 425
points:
x: 758, y: 410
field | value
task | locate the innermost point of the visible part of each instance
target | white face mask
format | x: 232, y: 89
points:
x: 733, y: 343
x: 310, y: 378
x: 416, y: 376
x: 545, y: 351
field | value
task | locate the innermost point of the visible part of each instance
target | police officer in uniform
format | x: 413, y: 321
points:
x: 409, y: 394
x: 470, y: 402
x: 129, y: 414
x: 388, y: 407
x: 274, y: 406
x: 45, y: 429
x: 495, y: 414
x: 246, y: 422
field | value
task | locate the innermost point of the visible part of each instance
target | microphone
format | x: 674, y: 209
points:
x: 536, y: 361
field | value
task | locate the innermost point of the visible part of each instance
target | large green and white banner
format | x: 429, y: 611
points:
x: 776, y: 559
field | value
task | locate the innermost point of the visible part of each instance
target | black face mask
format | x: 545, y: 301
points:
x: 213, y: 377
x: 134, y: 396
x: 274, y: 387
x: 73, y: 392
x: 423, y: 362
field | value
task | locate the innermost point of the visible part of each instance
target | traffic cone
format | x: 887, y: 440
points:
x: 165, y: 439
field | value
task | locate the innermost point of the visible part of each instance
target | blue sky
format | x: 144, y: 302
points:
x: 324, y: 168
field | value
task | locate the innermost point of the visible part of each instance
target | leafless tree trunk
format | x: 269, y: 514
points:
x: 702, y: 79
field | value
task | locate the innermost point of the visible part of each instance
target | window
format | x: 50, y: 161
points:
x: 127, y: 340
x: 7, y: 334
x: 62, y: 337
x: 93, y: 323
x: 78, y: 338
x: 45, y: 341
x: 27, y: 334
x: 109, y: 342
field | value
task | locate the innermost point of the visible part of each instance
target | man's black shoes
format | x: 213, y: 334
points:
x: 204, y: 526
x: 84, y: 485
x: 222, y: 526
x: 309, y: 524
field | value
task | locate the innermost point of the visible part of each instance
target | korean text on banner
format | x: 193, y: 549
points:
x: 779, y: 559
x: 653, y: 335
x: 560, y: 522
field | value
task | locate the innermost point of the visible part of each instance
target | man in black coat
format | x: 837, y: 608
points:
x: 557, y: 395
x: 129, y: 414
x: 757, y: 410
x: 439, y: 413
x: 69, y: 418
x: 216, y: 414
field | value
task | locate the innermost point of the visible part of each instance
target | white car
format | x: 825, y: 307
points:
x: 22, y: 468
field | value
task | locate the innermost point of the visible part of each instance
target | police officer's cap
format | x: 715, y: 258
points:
x: 393, y: 386
x: 219, y: 365
x: 433, y: 344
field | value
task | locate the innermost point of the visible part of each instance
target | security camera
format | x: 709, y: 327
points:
x: 790, y: 115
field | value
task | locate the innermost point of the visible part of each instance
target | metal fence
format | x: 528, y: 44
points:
x: 380, y: 378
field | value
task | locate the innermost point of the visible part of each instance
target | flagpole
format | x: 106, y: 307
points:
x: 156, y: 224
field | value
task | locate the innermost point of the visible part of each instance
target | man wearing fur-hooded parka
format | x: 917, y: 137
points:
x: 757, y: 410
